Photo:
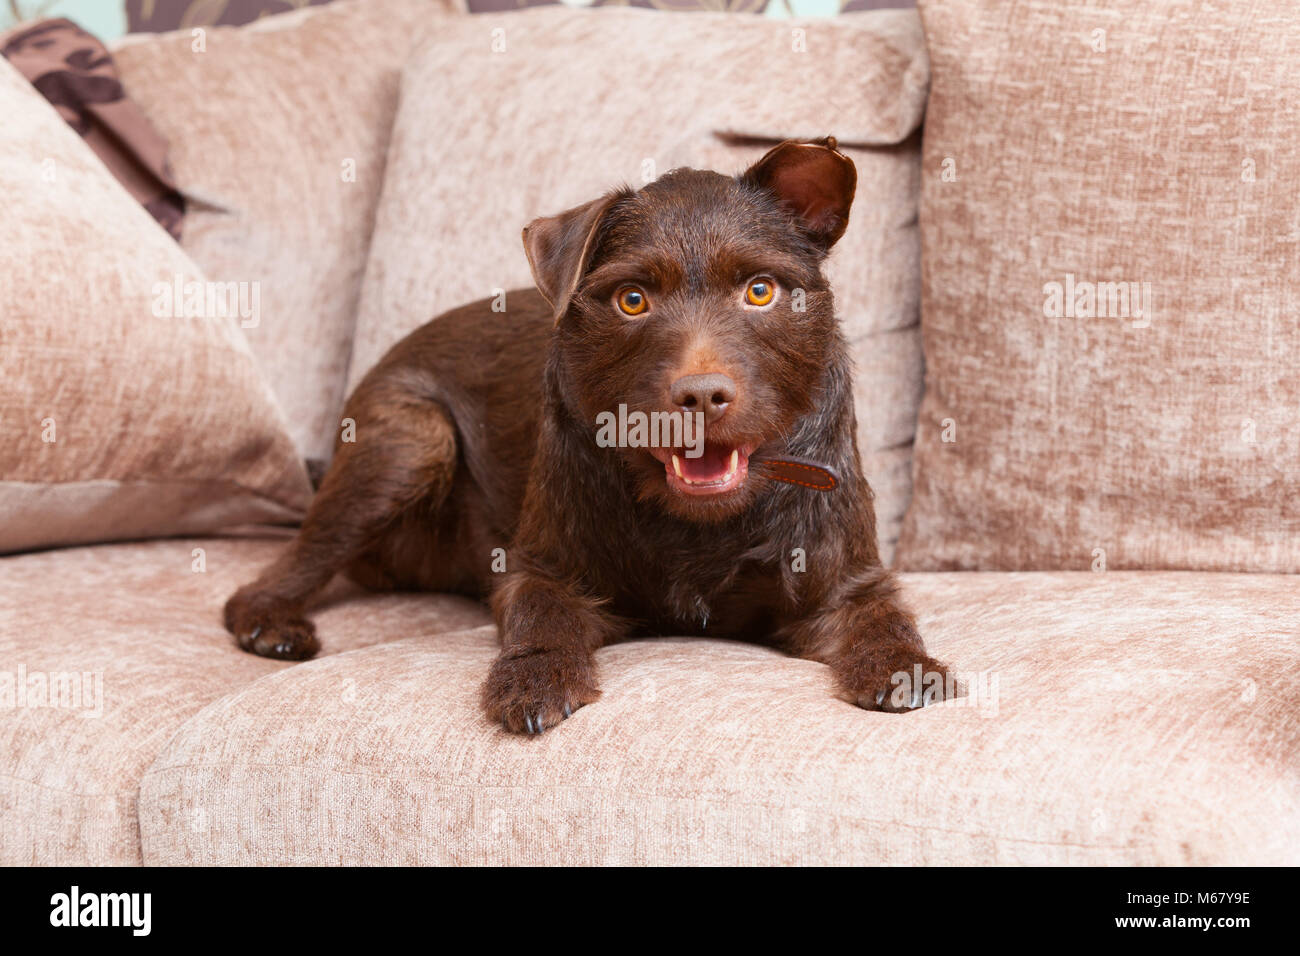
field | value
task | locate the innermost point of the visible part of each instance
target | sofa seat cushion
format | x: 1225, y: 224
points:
x: 1138, y: 718
x: 130, y: 637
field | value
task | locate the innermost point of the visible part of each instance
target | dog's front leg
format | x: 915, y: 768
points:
x: 872, y: 645
x: 546, y: 669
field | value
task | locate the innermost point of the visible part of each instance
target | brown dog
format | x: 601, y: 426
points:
x: 476, y: 446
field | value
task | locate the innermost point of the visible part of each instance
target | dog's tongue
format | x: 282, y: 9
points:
x: 713, y: 465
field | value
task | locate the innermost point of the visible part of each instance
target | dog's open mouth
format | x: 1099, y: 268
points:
x: 720, y: 469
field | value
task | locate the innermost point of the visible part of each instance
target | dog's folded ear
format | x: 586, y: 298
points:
x: 560, y: 247
x: 814, y: 180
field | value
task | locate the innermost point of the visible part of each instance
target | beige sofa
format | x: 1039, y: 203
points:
x: 1113, y: 730
x: 1122, y: 717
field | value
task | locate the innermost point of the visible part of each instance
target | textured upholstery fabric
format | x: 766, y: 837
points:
x: 485, y: 141
x: 116, y: 421
x: 278, y: 132
x: 1154, y: 145
x: 1167, y: 734
x: 144, y: 628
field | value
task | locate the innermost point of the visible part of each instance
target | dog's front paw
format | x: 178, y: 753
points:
x: 893, y: 679
x: 530, y: 691
x: 266, y: 627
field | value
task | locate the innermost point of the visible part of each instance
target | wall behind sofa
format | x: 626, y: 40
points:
x: 102, y: 18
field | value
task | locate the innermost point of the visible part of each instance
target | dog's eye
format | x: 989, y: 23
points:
x: 631, y: 300
x: 760, y: 292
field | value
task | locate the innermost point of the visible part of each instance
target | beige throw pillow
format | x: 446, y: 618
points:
x: 1111, y: 315
x: 277, y: 134
x: 120, y: 415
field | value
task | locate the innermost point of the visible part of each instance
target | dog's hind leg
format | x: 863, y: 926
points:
x: 403, y: 456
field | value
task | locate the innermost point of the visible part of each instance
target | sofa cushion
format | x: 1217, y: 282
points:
x: 1138, y: 719
x: 1110, y: 308
x: 123, y: 413
x: 278, y: 132
x: 466, y: 174
x: 130, y: 636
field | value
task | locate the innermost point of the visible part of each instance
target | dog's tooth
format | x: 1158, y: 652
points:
x: 677, y: 466
x: 735, y: 462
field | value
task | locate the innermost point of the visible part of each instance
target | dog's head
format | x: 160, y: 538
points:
x: 697, y: 300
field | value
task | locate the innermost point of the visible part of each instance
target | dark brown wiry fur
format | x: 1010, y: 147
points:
x: 476, y: 432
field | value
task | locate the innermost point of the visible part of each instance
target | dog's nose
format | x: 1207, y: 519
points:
x: 711, y: 394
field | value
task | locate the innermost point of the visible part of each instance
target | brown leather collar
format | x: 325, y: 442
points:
x: 798, y: 471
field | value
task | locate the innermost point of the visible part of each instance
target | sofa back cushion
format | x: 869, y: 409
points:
x: 126, y: 410
x: 278, y: 132
x: 1111, y: 313
x: 526, y: 114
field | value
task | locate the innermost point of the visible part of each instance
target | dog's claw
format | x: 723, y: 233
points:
x: 880, y: 698
x: 535, y: 723
x: 253, y: 636
x: 535, y: 692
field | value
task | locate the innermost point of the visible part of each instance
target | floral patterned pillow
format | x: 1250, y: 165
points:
x: 159, y: 16
x: 155, y: 16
